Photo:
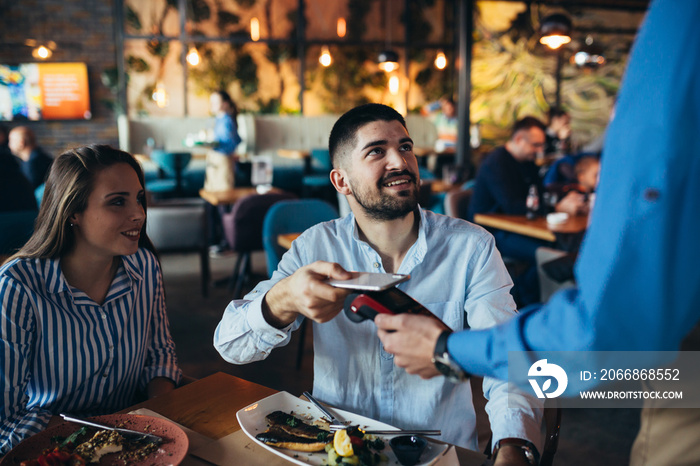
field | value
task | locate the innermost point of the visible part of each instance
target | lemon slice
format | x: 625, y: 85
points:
x: 342, y: 444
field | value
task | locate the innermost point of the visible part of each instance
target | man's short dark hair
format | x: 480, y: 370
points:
x: 345, y: 129
x: 527, y: 123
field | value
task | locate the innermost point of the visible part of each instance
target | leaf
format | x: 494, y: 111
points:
x: 546, y: 385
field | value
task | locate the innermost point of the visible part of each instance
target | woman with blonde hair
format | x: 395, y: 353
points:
x: 83, y: 326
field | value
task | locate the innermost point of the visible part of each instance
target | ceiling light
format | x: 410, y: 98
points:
x: 388, y: 60
x: 341, y: 28
x: 325, y: 59
x: 193, y: 56
x: 254, y: 29
x: 42, y: 52
x: 440, y: 60
x: 394, y: 85
x: 555, y: 30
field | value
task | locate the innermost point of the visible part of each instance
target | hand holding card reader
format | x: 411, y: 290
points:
x: 362, y: 306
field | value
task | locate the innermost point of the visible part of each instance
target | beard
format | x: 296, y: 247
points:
x: 380, y: 205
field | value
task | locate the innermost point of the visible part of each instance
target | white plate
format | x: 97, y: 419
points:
x: 252, y: 421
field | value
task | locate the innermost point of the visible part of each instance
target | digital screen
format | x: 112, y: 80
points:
x: 44, y: 91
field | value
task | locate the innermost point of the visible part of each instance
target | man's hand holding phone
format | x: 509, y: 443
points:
x: 306, y: 292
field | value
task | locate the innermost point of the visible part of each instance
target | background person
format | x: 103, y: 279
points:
x: 16, y: 192
x: 501, y: 186
x: 83, y: 326
x: 558, y: 133
x: 460, y: 280
x: 638, y: 282
x: 34, y: 161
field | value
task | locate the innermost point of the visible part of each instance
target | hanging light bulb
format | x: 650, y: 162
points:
x: 394, y: 85
x: 341, y: 27
x: 193, y: 56
x: 42, y: 52
x: 440, y: 60
x: 160, y: 95
x: 325, y: 59
x: 388, y: 61
x: 254, y: 29
x: 555, y: 30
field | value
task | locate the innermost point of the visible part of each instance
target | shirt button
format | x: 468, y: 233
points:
x: 651, y: 194
x: 105, y: 375
x: 104, y: 316
x: 376, y: 265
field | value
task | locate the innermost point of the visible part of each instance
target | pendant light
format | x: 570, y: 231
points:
x: 555, y: 30
x: 388, y: 59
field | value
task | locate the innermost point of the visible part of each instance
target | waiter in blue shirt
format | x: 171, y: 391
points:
x: 637, y: 274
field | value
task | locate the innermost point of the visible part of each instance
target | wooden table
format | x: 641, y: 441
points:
x: 230, y: 196
x: 208, y: 406
x: 536, y: 228
x: 285, y: 239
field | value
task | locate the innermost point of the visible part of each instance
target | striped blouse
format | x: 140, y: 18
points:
x: 62, y: 352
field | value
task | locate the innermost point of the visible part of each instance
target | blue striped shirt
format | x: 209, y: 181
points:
x: 62, y: 352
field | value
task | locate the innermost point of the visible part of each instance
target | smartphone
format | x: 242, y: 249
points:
x: 370, y: 281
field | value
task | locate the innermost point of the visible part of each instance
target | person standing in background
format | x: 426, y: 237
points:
x: 34, y: 161
x: 558, y: 133
x: 226, y: 137
x: 16, y: 192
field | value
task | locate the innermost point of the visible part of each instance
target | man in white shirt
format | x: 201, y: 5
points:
x: 455, y: 269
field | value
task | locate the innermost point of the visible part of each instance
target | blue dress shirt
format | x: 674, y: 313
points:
x: 638, y: 273
x: 226, y: 134
x: 456, y: 272
x: 62, y: 352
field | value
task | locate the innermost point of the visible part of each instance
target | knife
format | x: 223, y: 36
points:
x: 128, y: 433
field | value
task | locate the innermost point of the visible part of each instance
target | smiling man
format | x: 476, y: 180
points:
x: 455, y: 269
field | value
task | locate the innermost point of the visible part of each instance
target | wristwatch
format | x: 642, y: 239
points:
x: 444, y: 362
x: 528, y: 449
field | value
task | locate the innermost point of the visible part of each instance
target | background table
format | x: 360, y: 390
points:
x: 230, y: 196
x: 536, y: 228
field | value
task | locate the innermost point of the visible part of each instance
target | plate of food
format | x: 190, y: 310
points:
x: 295, y: 430
x: 62, y: 443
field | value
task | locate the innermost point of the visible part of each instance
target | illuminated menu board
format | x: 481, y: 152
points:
x: 44, y: 91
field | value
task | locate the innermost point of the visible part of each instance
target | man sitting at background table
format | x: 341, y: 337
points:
x: 455, y: 269
x: 502, y: 185
x: 34, y: 161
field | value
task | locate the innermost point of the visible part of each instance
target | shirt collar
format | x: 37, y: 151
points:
x: 415, y: 254
x: 127, y: 275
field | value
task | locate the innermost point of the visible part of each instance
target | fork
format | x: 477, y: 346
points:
x: 335, y: 423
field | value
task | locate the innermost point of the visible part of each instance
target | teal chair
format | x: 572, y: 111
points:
x: 39, y: 193
x: 318, y: 177
x: 172, y: 165
x: 292, y: 216
x: 15, y: 230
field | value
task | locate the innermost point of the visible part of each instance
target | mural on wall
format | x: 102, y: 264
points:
x: 514, y: 76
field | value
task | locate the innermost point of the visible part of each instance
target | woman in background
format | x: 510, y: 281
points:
x: 83, y: 326
x: 226, y: 137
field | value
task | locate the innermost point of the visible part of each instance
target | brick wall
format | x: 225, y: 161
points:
x: 84, y: 32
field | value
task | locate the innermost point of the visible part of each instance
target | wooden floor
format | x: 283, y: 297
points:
x: 588, y: 437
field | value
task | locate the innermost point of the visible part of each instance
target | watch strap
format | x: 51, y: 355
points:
x: 529, y: 450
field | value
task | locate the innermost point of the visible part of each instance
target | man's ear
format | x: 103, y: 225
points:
x: 339, y: 178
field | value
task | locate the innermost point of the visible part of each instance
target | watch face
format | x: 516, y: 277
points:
x: 449, y: 368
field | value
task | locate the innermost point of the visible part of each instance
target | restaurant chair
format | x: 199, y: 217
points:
x: 457, y: 203
x: 318, y: 180
x: 243, y: 230
x: 172, y: 165
x: 15, y: 230
x: 180, y: 225
x: 292, y: 216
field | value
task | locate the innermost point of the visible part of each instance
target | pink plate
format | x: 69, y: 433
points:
x: 171, y: 451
